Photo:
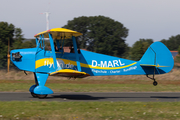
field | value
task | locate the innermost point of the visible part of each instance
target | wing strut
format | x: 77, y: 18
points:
x: 76, y: 53
x: 53, y: 51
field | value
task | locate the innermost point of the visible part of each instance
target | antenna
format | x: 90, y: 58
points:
x: 47, y: 18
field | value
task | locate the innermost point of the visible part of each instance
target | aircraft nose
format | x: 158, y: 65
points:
x: 24, y: 59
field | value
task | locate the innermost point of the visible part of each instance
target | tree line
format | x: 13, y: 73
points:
x: 100, y: 34
x: 10, y: 32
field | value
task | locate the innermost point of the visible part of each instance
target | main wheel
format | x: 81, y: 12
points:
x: 41, y: 96
x: 34, y: 95
x: 155, y: 83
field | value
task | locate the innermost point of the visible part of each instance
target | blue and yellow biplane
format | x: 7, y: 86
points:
x: 80, y: 63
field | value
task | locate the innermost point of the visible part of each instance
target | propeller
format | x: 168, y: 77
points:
x: 8, y: 56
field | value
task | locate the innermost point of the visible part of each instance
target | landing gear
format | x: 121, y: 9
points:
x: 42, y: 96
x: 155, y: 83
x: 38, y: 96
x: 39, y: 90
x: 34, y: 95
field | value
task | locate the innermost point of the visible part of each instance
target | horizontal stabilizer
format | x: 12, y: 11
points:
x: 69, y: 73
x: 148, y: 65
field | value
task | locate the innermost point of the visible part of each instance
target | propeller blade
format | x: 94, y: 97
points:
x: 8, y: 56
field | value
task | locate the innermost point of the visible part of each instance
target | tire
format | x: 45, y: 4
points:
x: 155, y: 83
x: 41, y: 96
x: 34, y: 95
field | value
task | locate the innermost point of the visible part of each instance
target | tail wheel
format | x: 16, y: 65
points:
x: 155, y: 83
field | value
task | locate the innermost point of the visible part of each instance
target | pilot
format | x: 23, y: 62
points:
x: 55, y: 47
x: 79, y: 51
x: 49, y: 48
x: 71, y: 48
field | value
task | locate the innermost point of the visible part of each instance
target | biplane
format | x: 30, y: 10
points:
x: 81, y: 63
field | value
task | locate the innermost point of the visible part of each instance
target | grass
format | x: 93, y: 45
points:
x: 17, y: 81
x: 91, y: 86
x: 90, y: 110
x: 19, y: 75
x: 38, y: 110
x: 113, y: 88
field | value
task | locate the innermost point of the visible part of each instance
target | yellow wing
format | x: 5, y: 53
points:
x: 69, y: 73
x: 59, y: 33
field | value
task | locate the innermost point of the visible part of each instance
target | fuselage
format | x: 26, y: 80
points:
x: 154, y: 61
x: 92, y: 63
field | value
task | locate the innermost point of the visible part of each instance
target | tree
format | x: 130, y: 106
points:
x: 9, y: 32
x: 18, y: 39
x: 29, y: 44
x: 179, y: 50
x: 20, y: 42
x: 172, y: 43
x: 100, y: 34
x: 6, y: 32
x: 139, y: 48
x: 81, y: 25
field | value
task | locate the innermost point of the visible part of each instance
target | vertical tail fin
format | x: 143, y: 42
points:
x: 159, y: 56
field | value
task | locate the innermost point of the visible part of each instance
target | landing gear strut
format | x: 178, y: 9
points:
x: 155, y: 82
x: 39, y: 90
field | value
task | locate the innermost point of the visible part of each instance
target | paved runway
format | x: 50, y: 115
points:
x: 63, y: 97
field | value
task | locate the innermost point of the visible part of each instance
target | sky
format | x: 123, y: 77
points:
x: 145, y: 19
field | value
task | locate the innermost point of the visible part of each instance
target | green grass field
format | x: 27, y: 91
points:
x: 33, y: 110
x: 90, y: 110
x: 91, y: 86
